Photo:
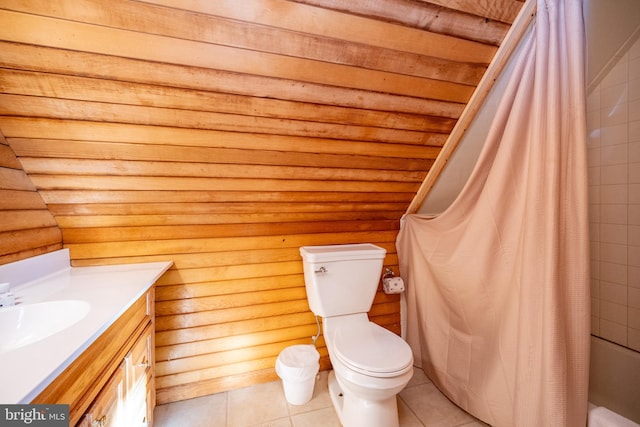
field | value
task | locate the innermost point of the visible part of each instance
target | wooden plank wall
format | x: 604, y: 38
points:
x: 27, y: 228
x: 223, y: 136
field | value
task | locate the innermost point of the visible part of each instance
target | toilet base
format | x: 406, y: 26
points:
x: 335, y: 392
x: 354, y: 412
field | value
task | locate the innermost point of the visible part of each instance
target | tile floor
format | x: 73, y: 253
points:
x: 264, y: 405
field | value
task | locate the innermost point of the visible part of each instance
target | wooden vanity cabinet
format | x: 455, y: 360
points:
x: 107, y: 409
x: 112, y: 382
x: 125, y: 399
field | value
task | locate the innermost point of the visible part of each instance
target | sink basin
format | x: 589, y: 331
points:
x: 26, y: 324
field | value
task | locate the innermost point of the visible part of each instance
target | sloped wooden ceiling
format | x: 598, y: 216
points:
x: 225, y: 134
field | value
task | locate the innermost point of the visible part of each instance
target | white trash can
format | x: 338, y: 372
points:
x: 298, y: 366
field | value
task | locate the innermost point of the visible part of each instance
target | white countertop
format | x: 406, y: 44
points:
x: 110, y: 291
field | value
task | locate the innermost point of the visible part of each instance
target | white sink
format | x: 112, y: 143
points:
x: 25, y: 324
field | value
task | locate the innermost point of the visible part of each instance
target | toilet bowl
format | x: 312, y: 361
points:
x: 371, y: 365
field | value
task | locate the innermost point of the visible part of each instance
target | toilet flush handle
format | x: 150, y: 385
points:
x: 321, y: 270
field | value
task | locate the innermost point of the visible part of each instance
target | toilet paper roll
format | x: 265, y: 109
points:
x: 393, y: 285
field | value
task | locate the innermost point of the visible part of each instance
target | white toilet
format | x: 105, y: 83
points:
x: 370, y: 364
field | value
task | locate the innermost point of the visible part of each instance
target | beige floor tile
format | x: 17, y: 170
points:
x: 257, y: 404
x: 206, y: 411
x: 432, y: 408
x: 326, y: 417
x: 406, y: 416
x: 282, y: 422
x: 419, y: 377
x: 264, y: 405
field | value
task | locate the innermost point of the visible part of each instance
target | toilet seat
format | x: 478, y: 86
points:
x: 372, y: 350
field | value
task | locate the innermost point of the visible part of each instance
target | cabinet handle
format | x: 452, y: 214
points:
x: 144, y: 364
x: 100, y: 422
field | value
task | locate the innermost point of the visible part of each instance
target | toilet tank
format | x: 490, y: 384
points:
x: 341, y: 279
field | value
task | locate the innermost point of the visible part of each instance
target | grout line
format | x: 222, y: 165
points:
x: 409, y: 407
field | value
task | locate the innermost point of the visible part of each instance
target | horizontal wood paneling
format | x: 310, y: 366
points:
x: 24, y: 83
x: 327, y: 23
x: 223, y: 137
x: 27, y: 228
x: 204, y: 200
x: 21, y: 219
x: 16, y: 105
x: 108, y: 68
x: 206, y: 325
x: 112, y: 182
x: 500, y: 11
x: 123, y: 234
x: 178, y: 246
x: 175, y: 169
x: 131, y: 44
x: 222, y: 28
x: 233, y: 339
x: 441, y: 17
x: 36, y: 134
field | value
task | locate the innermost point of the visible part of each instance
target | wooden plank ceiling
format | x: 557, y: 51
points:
x: 225, y: 134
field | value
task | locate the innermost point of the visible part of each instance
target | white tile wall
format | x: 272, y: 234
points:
x: 613, y: 122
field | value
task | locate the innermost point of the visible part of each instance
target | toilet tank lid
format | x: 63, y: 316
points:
x: 342, y: 252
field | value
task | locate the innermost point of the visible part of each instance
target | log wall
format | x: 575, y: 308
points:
x: 27, y: 228
x: 223, y: 136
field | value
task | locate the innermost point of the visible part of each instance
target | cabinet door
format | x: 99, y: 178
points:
x: 128, y: 397
x: 139, y: 373
x: 138, y: 360
x: 107, y: 410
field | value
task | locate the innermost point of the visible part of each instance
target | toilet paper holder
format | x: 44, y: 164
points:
x: 392, y: 284
x: 388, y: 273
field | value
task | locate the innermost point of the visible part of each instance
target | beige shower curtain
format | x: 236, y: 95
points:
x: 498, y: 285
